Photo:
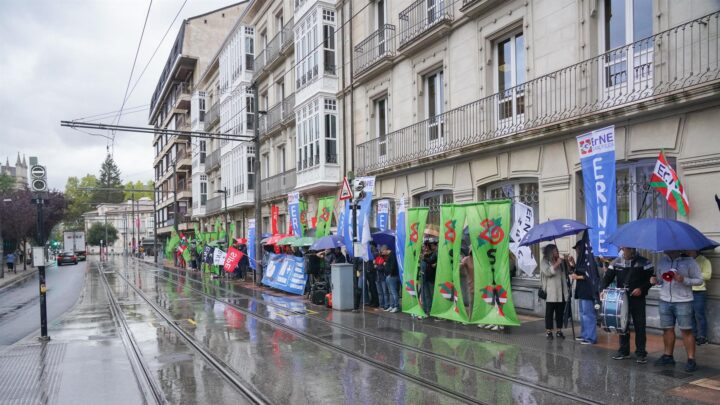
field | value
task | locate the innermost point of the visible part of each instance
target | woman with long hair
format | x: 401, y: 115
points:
x: 553, y: 275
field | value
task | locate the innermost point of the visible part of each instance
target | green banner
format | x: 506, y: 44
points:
x: 448, y: 300
x: 172, y: 244
x: 303, y: 216
x: 415, y: 227
x: 186, y: 255
x: 326, y: 206
x: 233, y: 232
x: 489, y: 224
x: 218, y: 226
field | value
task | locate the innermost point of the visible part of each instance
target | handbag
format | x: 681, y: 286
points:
x: 542, y: 293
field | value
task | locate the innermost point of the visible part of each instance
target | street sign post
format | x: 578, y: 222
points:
x: 346, y: 192
x: 38, y: 178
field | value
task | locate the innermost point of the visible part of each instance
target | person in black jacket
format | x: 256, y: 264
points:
x: 429, y: 264
x: 632, y: 272
x: 586, y: 294
x: 392, y: 279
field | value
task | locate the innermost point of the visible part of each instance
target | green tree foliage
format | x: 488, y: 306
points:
x: 138, y: 185
x: 96, y: 233
x: 7, y: 183
x: 19, y: 215
x: 109, y: 178
x: 79, y: 200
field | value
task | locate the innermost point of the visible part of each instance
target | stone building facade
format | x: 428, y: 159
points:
x: 19, y: 172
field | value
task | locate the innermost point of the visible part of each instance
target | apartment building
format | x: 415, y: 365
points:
x: 133, y: 222
x: 468, y: 100
x: 170, y: 108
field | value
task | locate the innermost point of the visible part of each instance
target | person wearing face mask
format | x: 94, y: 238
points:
x: 553, y: 274
x: 632, y: 272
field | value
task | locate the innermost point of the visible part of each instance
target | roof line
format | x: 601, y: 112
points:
x: 216, y: 10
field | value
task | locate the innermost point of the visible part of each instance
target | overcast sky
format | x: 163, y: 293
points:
x: 63, y: 60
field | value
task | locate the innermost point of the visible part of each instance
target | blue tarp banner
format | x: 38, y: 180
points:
x: 383, y: 214
x: 345, y: 227
x: 597, y: 157
x: 251, y: 243
x: 286, y: 273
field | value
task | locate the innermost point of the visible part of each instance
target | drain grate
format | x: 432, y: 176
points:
x: 31, y: 374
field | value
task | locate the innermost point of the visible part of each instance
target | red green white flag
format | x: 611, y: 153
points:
x: 666, y: 181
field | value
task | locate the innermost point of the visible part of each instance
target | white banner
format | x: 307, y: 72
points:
x: 524, y: 220
x: 218, y: 257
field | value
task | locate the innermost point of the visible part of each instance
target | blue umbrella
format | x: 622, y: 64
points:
x: 659, y: 234
x: 327, y: 242
x: 552, y: 230
x: 386, y: 237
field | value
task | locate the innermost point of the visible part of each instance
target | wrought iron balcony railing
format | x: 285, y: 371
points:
x: 422, y: 15
x: 666, y: 64
x: 279, y: 184
x: 288, y: 107
x: 379, y: 45
x: 260, y: 62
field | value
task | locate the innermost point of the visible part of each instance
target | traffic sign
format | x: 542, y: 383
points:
x: 346, y: 192
x: 37, y: 172
x: 38, y: 185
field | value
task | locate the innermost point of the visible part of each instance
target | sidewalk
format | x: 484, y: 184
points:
x: 84, y: 362
x: 11, y: 277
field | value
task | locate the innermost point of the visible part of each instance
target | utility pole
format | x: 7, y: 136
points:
x: 175, y: 202
x: 155, y: 251
x: 132, y: 209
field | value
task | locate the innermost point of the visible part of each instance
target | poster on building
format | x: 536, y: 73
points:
x: 252, y: 234
x: 383, y: 214
x: 294, y: 211
x: 274, y: 214
x: 597, y: 158
x: 286, y: 273
x: 524, y: 219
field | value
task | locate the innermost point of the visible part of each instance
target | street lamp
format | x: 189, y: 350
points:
x: 2, y: 245
x: 227, y: 217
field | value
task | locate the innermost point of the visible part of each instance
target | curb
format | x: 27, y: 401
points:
x: 29, y: 274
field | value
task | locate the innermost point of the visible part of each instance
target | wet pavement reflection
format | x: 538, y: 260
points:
x: 522, y: 368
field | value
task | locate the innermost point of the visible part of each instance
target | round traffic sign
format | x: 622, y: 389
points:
x: 39, y: 185
x: 37, y: 172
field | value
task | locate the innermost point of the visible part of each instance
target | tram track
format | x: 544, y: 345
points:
x: 363, y: 333
x: 148, y: 384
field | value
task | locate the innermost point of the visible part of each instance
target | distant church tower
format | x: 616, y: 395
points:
x: 19, y: 172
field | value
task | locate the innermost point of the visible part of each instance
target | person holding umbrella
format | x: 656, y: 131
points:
x: 632, y: 272
x: 552, y: 274
x: 676, y: 275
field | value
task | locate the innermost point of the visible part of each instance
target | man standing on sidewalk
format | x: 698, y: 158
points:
x: 11, y: 262
x: 632, y: 272
x: 676, y: 275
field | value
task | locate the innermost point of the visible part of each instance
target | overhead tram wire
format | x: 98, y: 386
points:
x: 132, y: 70
x: 110, y: 113
x: 155, y: 51
x: 155, y: 131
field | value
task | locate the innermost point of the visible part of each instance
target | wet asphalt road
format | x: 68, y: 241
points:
x: 20, y: 303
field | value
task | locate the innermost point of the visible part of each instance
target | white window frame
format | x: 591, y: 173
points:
x: 516, y: 93
x: 436, y: 123
x: 381, y: 131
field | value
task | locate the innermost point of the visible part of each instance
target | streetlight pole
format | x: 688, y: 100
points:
x: 227, y: 217
x: 258, y: 199
x: 2, y: 245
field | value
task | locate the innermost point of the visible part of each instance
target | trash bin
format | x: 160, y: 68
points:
x: 343, y: 290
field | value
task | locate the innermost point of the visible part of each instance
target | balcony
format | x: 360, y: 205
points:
x: 473, y: 8
x: 212, y: 162
x: 280, y: 113
x: 278, y: 46
x: 423, y: 22
x: 212, y: 116
x: 214, y: 205
x: 181, y: 95
x: 278, y: 185
x: 374, y: 53
x: 184, y: 159
x: 677, y: 66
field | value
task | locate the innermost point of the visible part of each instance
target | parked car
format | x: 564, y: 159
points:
x: 66, y: 257
x: 81, y: 255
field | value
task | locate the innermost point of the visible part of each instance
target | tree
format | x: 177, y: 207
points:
x: 19, y: 216
x: 138, y: 185
x: 96, y: 233
x: 7, y: 183
x: 109, y: 178
x: 79, y: 201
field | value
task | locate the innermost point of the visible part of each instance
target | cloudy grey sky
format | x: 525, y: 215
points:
x: 63, y: 60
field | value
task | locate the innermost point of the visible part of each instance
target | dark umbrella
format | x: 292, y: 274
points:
x: 327, y: 242
x: 659, y: 234
x: 386, y: 237
x: 552, y: 230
